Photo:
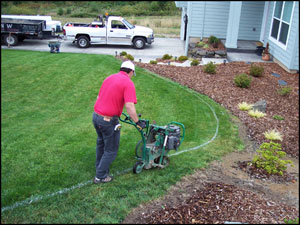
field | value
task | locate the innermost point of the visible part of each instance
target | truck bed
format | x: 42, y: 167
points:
x: 22, y: 25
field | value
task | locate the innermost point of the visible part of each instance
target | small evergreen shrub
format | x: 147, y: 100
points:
x: 166, y: 56
x: 256, y: 71
x: 242, y: 80
x: 210, y: 68
x: 269, y: 158
x: 195, y: 62
x: 213, y: 40
x: 153, y: 62
x: 277, y: 117
x: 182, y: 58
x: 60, y: 12
x: 206, y: 46
x: 130, y: 57
x: 123, y: 53
x: 244, y: 106
x: 284, y: 91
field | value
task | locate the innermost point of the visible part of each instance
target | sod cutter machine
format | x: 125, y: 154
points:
x: 152, y: 150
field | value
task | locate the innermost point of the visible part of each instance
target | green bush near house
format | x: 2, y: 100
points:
x: 130, y: 57
x: 210, y: 68
x: 182, y: 58
x: 242, y: 80
x: 284, y: 91
x: 153, y: 62
x: 195, y: 62
x: 256, y: 71
x: 166, y: 56
x: 123, y: 53
x: 213, y: 40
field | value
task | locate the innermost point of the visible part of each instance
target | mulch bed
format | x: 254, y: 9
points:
x: 220, y: 202
x: 217, y: 203
x: 221, y: 88
x: 259, y: 173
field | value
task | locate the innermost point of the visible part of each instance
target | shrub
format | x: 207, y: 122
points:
x: 284, y: 91
x: 210, y: 68
x: 166, y: 56
x: 273, y: 135
x: 242, y: 80
x: 269, y: 158
x: 182, y: 58
x: 60, y: 12
x: 256, y: 113
x: 244, y: 106
x: 206, y: 46
x: 123, y: 53
x: 256, y: 71
x: 195, y: 62
x: 277, y: 117
x: 130, y: 57
x: 200, y: 44
x: 153, y: 62
x: 213, y: 40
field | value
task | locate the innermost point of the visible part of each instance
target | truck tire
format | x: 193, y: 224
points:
x: 11, y: 40
x: 83, y: 42
x: 139, y: 42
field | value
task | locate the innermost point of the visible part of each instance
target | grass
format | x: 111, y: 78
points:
x: 48, y: 140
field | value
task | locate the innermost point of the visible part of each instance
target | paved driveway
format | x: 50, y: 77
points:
x: 160, y: 46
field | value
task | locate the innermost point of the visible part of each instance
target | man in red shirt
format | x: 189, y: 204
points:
x: 116, y: 91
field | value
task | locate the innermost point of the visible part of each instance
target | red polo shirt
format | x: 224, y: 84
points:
x: 116, y: 90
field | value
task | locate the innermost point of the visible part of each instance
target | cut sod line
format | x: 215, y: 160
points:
x: 33, y: 199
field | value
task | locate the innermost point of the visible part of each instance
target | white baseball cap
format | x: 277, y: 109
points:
x: 129, y: 65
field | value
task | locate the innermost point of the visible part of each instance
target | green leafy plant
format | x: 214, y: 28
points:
x: 60, y: 12
x: 195, y: 62
x: 182, y: 58
x: 284, y: 91
x: 292, y: 221
x: 206, y: 46
x: 153, y: 62
x: 130, y: 57
x: 200, y: 44
x: 242, y: 80
x: 277, y: 117
x: 166, y: 56
x: 256, y: 113
x: 244, y: 106
x: 268, y: 158
x: 212, y: 40
x: 210, y: 68
x: 123, y: 53
x: 256, y: 71
x: 273, y: 135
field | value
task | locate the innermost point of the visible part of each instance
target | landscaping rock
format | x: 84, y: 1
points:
x: 201, y: 53
x: 260, y: 106
x: 210, y: 54
x: 221, y: 52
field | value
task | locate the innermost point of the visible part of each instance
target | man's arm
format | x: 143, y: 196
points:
x: 130, y: 108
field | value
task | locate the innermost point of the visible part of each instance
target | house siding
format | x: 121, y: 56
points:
x: 289, y: 55
x: 251, y: 17
x: 209, y: 18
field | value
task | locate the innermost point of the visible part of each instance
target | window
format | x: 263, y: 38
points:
x: 281, y: 22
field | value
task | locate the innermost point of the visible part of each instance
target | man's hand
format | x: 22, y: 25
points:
x: 140, y: 124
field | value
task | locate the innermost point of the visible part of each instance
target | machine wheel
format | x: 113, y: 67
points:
x: 139, y: 43
x: 83, y: 42
x: 11, y: 40
x: 138, y: 167
x: 165, y: 162
x: 139, y: 149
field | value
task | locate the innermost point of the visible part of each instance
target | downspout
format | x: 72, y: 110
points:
x: 186, y: 48
x: 266, y: 21
x: 204, y: 9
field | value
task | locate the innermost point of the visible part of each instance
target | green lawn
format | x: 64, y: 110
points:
x: 48, y: 139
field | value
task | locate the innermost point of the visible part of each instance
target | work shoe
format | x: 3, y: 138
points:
x: 103, y: 180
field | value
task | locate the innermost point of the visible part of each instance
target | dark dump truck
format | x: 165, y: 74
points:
x: 14, y: 30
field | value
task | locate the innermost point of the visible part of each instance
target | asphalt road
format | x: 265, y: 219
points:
x: 160, y: 46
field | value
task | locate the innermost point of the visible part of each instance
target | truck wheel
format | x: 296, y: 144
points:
x: 139, y: 43
x: 83, y: 42
x: 11, y: 40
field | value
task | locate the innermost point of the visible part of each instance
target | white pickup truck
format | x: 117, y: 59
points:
x: 111, y: 30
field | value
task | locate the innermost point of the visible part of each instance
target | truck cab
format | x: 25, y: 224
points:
x: 111, y: 30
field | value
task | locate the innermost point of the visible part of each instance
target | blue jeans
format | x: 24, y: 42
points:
x: 108, y: 141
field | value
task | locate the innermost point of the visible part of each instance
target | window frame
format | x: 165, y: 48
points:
x: 276, y: 41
